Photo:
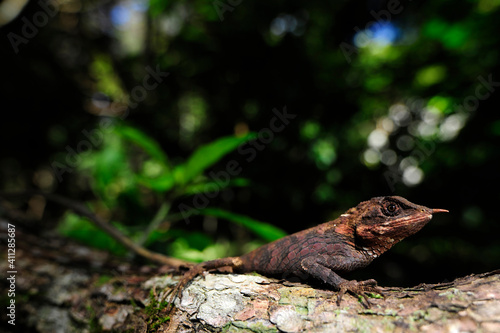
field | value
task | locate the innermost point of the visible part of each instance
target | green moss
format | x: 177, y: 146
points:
x: 374, y: 295
x: 453, y: 293
x: 153, y: 326
x: 94, y: 326
x: 245, y: 327
x: 298, y: 297
x: 340, y: 311
x: 103, y: 279
x: 133, y: 303
x: 155, y: 311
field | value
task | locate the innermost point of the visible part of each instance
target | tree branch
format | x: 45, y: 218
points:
x: 80, y: 209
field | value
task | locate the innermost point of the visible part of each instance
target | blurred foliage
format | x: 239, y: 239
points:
x: 131, y: 171
x: 79, y: 228
x: 140, y: 107
x: 264, y: 230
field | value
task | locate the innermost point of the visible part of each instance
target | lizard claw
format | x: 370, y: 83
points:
x: 176, y: 292
x: 359, y: 288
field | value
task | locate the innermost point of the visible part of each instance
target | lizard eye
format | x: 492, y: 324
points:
x: 391, y: 209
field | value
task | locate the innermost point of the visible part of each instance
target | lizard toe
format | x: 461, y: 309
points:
x: 359, y: 288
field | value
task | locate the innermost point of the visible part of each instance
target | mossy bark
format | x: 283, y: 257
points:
x: 65, y: 287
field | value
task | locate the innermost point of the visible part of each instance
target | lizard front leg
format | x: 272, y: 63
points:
x: 318, y: 268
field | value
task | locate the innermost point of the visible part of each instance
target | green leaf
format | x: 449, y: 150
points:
x: 196, y: 246
x: 157, y: 7
x: 264, y: 230
x: 111, y: 162
x: 161, y: 183
x: 141, y: 139
x: 212, y: 186
x: 207, y: 155
x: 109, y: 168
x: 81, y: 229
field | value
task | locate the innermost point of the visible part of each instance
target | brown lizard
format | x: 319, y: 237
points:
x: 323, y: 252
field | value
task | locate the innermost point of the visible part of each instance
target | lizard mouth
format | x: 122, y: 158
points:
x: 424, y: 216
x: 415, y: 222
x: 403, y: 226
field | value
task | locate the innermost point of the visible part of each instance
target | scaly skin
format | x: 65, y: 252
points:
x: 322, y: 252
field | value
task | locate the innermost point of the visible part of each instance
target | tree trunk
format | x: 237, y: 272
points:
x: 61, y: 286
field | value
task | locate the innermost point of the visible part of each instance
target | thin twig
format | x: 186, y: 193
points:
x: 155, y: 223
x: 80, y: 209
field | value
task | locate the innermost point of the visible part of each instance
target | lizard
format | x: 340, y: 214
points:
x: 331, y: 249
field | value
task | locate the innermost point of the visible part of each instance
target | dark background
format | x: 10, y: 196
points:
x: 228, y: 72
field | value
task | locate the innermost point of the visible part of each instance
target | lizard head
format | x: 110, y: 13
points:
x: 384, y: 221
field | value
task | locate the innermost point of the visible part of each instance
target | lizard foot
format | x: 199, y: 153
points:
x: 175, y: 293
x: 359, y: 288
